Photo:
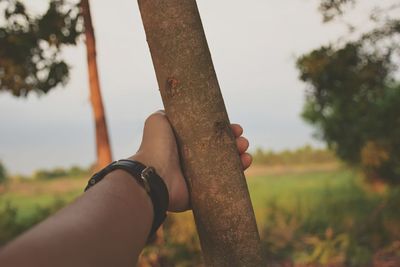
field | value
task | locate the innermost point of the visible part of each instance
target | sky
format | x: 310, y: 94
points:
x: 254, y: 45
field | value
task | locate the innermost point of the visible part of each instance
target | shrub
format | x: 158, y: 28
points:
x: 303, y: 155
x: 74, y: 171
x: 11, y: 224
x: 49, y: 174
x: 3, y: 174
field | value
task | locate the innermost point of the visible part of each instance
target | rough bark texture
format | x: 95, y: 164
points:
x: 194, y: 105
x: 103, y: 147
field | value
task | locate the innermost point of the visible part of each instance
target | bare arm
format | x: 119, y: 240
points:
x: 110, y: 223
x: 107, y: 226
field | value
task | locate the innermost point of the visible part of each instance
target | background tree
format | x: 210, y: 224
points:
x: 31, y: 60
x: 30, y: 47
x: 103, y: 147
x: 353, y: 95
x: 3, y: 174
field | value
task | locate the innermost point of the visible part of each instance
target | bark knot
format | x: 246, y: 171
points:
x: 172, y: 86
x: 220, y: 128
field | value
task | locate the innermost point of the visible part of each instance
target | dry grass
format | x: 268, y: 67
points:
x: 262, y: 170
x: 35, y: 188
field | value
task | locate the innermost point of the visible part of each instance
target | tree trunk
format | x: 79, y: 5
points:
x: 194, y: 105
x: 103, y: 148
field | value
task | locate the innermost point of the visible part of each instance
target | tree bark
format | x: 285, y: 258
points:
x: 103, y: 148
x: 194, y: 105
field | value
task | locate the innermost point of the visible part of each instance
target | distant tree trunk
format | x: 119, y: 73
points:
x: 194, y: 105
x: 104, y: 155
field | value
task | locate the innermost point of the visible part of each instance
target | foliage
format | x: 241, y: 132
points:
x: 333, y: 8
x: 3, y: 174
x: 30, y: 46
x: 10, y: 224
x: 353, y: 97
x: 318, y: 209
x: 324, y: 218
x: 312, y: 219
x: 182, y: 248
x: 300, y: 156
x: 74, y: 171
x: 330, y: 250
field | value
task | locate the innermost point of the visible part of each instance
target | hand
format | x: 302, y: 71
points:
x: 159, y: 149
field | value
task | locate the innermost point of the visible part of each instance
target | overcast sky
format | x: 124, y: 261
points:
x: 254, y: 44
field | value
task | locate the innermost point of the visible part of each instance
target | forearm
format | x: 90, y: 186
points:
x: 110, y: 223
x: 106, y: 226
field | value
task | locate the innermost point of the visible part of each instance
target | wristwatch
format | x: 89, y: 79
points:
x: 148, y: 178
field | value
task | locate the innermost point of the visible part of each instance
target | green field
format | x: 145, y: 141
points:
x: 326, y: 217
x: 320, y: 194
x: 31, y: 195
x: 322, y: 217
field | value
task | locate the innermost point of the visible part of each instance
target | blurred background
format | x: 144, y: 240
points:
x: 314, y: 83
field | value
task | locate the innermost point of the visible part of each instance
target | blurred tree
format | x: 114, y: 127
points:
x: 30, y: 55
x: 332, y: 8
x: 30, y: 46
x: 353, y: 95
x: 103, y: 147
x: 3, y: 174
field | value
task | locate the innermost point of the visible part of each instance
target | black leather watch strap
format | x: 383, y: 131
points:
x: 146, y: 177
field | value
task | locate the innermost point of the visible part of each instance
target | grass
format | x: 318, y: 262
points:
x: 283, y: 189
x: 304, y: 192
x: 27, y: 196
x: 324, y: 217
x: 300, y: 215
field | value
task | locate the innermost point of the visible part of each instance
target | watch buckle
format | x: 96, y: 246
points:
x: 145, y: 175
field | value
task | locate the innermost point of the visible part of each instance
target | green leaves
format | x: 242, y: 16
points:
x: 332, y: 8
x: 59, y: 27
x: 30, y: 46
x: 353, y: 97
x: 3, y: 174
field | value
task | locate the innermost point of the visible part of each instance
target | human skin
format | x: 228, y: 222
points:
x: 110, y: 223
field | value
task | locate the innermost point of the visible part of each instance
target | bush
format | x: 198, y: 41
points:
x: 78, y: 171
x: 303, y: 155
x: 3, y: 174
x: 74, y: 171
x: 347, y: 227
x: 49, y: 174
x: 11, y: 224
x: 353, y: 100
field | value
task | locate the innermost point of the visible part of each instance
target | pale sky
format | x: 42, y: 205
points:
x: 254, y: 45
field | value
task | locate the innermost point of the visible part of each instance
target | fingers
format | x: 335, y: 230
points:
x: 158, y: 119
x: 246, y: 160
x: 160, y: 114
x: 242, y: 144
x: 236, y: 129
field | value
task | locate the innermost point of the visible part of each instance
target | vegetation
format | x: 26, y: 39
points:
x: 74, y: 171
x: 324, y: 218
x: 11, y: 225
x: 3, y: 174
x: 31, y: 59
x: 301, y: 156
x: 307, y: 218
x: 353, y: 93
x: 328, y: 218
x: 30, y: 46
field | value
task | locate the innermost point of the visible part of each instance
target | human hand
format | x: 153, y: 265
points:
x: 159, y: 149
